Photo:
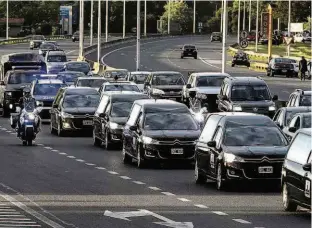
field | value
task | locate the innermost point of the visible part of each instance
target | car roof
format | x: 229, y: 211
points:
x: 115, y: 70
x: 245, y: 119
x: 165, y: 72
x: 120, y: 92
x: 80, y: 90
x: 70, y: 72
x: 118, y: 83
x: 210, y: 74
x: 140, y: 72
x: 87, y: 77
x: 246, y: 80
x: 306, y: 131
x: 49, y: 81
x: 158, y: 105
x: 299, y: 108
x: 51, y: 52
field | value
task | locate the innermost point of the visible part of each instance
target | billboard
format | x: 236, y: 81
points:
x: 265, y: 24
x: 66, y: 16
x: 296, y: 27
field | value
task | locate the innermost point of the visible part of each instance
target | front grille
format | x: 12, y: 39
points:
x: 172, y: 90
x: 251, y: 170
x: 164, y: 151
x: 259, y: 110
x: 78, y: 123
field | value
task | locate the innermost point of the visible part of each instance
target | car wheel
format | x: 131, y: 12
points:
x: 96, y: 141
x: 195, y: 57
x: 182, y: 56
x: 126, y: 159
x: 60, y: 131
x: 140, y: 162
x: 52, y: 130
x: 288, y: 204
x: 4, y: 112
x: 199, y: 177
x: 24, y: 143
x: 233, y: 65
x: 107, y: 141
x: 29, y: 142
x: 221, y: 183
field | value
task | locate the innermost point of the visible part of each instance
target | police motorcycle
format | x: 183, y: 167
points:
x: 29, y: 122
x: 198, y: 109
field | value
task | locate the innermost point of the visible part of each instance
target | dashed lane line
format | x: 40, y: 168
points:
x: 71, y: 156
x: 168, y: 193
x: 201, y: 206
x: 90, y: 164
x: 62, y: 153
x: 154, y: 188
x: 184, y: 199
x: 125, y: 177
x: 219, y: 213
x: 138, y: 182
x: 48, y: 148
x: 112, y: 172
x: 55, y: 150
x: 241, y: 221
x: 80, y: 160
x: 100, y: 168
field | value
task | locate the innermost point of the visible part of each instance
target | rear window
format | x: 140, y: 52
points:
x: 189, y: 47
x: 26, y: 57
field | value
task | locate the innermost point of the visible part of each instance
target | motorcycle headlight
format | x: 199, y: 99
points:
x: 39, y: 103
x: 31, y: 116
x: 148, y: 140
x: 232, y: 158
x: 113, y: 125
x: 158, y: 91
x: 66, y: 115
x: 237, y: 108
x: 272, y: 108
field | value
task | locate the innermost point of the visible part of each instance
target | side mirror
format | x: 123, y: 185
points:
x: 307, y: 167
x: 188, y: 86
x: 2, y: 83
x: 275, y: 98
x: 212, y: 144
x: 292, y: 129
x: 133, y: 128
x: 54, y: 106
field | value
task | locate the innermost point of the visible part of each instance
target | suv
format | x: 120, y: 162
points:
x: 246, y: 94
x: 296, y: 172
x: 55, y: 61
x: 189, y: 50
x: 299, y: 98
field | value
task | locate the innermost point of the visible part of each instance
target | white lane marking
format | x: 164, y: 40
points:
x: 55, y: 150
x: 12, y: 216
x: 184, y: 199
x: 9, y: 213
x: 138, y: 182
x: 4, y: 129
x: 62, y: 154
x: 8, y: 131
x: 204, y: 61
x: 30, y: 211
x: 154, y: 188
x: 80, y: 160
x: 71, y: 51
x: 71, y: 156
x: 112, y: 172
x: 241, y: 221
x: 200, y: 206
x: 90, y: 164
x: 259, y: 227
x: 125, y: 177
x: 168, y: 193
x: 219, y: 213
x: 39, y: 144
x: 100, y: 168
x: 16, y: 219
x: 47, y: 147
x: 19, y: 225
x: 16, y: 222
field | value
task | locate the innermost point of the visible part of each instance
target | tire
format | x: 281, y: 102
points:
x: 248, y: 65
x: 195, y: 57
x: 288, y: 204
x: 140, y: 162
x: 107, y: 143
x: 96, y: 141
x: 199, y: 177
x: 60, y: 132
x: 24, y: 143
x: 221, y: 184
x: 233, y: 65
x: 52, y: 130
x: 126, y: 159
x: 182, y: 56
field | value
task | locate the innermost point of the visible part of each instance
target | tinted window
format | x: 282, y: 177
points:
x: 282, y: 60
x: 300, y: 149
x: 138, y: 78
x: 168, y: 79
x: 250, y: 93
x: 94, y: 83
x: 21, y: 77
x: 306, y: 121
x: 47, y: 46
x: 169, y: 121
x: 305, y: 100
x: 81, y: 100
x: 290, y: 115
x: 253, y: 136
x: 209, y: 128
x: 189, y: 47
x: 46, y: 89
x: 25, y: 57
x: 71, y: 77
x: 209, y: 81
x: 56, y: 58
x: 122, y: 87
x: 121, y: 109
x: 80, y: 66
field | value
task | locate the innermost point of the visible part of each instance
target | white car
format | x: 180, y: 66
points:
x: 119, y: 86
x: 92, y: 82
x: 138, y: 77
x: 296, y: 66
x: 298, y: 38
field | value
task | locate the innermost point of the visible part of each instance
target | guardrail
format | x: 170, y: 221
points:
x: 27, y: 39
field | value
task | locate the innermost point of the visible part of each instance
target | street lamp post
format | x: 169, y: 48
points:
x: 257, y: 26
x: 81, y: 24
x: 91, y: 24
x: 106, y: 22
x: 194, y: 18
x: 99, y: 32
x: 138, y: 36
x: 224, y: 53
x: 124, y: 20
x: 7, y: 20
x: 289, y: 19
x: 238, y: 22
x: 244, y: 15
x: 222, y: 6
x: 145, y: 17
x: 249, y: 22
x: 169, y: 15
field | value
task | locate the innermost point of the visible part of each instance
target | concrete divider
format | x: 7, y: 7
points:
x: 27, y: 39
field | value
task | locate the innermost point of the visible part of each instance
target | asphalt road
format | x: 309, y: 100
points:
x: 67, y: 182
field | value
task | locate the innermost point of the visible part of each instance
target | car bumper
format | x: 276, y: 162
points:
x: 189, y: 53
x: 116, y: 135
x: 77, y: 124
x: 240, y: 62
x: 283, y: 71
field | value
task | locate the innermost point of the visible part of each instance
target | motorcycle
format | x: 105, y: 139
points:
x: 30, y: 123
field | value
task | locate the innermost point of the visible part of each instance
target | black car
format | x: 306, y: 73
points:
x: 246, y: 94
x: 11, y: 88
x: 111, y: 116
x: 83, y: 67
x: 241, y: 59
x: 189, y: 51
x: 44, y: 47
x: 296, y: 172
x: 300, y: 98
x: 73, y: 110
x: 239, y: 147
x: 283, y: 116
x: 281, y: 66
x: 216, y: 36
x: 167, y: 84
x: 159, y: 130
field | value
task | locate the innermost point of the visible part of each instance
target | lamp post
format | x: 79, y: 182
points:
x: 7, y: 20
x: 244, y: 15
x: 222, y: 6
x: 99, y: 32
x: 91, y: 24
x: 224, y: 53
x: 194, y: 18
x: 81, y: 24
x: 249, y: 22
x: 138, y: 36
x: 257, y: 26
x: 169, y: 15
x: 124, y: 20
x: 145, y: 9
x: 238, y: 22
x: 106, y: 22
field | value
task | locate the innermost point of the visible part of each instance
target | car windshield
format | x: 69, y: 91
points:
x: 71, y: 77
x: 139, y: 78
x: 306, y: 121
x: 290, y: 114
x: 94, y: 83
x: 47, y: 46
x: 81, y: 67
x: 169, y: 121
x: 81, y: 100
x: 189, y: 47
x: 57, y: 58
x: 305, y: 100
x: 168, y: 79
x: 121, y: 109
x: 250, y: 93
x: 119, y: 74
x: 292, y: 61
x: 282, y: 60
x: 47, y: 89
x: 214, y: 81
x: 122, y: 87
x: 253, y: 136
x: 21, y: 77
x: 25, y: 57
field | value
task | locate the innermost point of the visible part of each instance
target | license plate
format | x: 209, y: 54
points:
x: 177, y: 151
x: 265, y: 169
x: 284, y: 71
x: 87, y: 122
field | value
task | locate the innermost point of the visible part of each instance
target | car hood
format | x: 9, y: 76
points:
x: 175, y: 134
x: 166, y: 87
x: 14, y: 87
x: 208, y: 90
x: 141, y: 86
x: 55, y: 64
x: 253, y: 152
x: 119, y: 120
x: 254, y: 103
x: 80, y: 111
x: 44, y: 98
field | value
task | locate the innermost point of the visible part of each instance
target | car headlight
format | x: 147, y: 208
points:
x: 38, y: 103
x: 31, y: 116
x: 232, y: 158
x: 158, y: 91
x: 272, y: 108
x: 199, y: 117
x: 8, y: 94
x: 237, y: 108
x: 148, y: 140
x: 66, y: 115
x: 201, y: 96
x: 113, y: 125
x: 31, y: 42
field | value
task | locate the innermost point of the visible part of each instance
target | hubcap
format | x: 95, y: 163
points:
x: 219, y: 178
x: 285, y: 195
x: 196, y: 171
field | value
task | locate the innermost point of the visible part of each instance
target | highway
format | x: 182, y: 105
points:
x: 67, y: 182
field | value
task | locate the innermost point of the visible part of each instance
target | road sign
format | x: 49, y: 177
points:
x: 244, y: 34
x: 288, y: 40
x: 140, y: 213
x: 200, y: 25
x: 243, y: 43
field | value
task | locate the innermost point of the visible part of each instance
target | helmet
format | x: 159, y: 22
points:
x: 26, y: 93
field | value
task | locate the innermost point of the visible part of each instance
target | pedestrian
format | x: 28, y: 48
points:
x: 303, y: 67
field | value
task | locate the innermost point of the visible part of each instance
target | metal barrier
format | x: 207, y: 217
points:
x: 27, y: 39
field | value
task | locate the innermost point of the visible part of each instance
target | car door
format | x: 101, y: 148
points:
x: 292, y: 123
x: 307, y: 183
x: 54, y: 108
x: 220, y: 101
x: 214, y: 152
x: 224, y: 103
x: 279, y: 118
x: 97, y: 121
x: 105, y: 119
x: 137, y: 134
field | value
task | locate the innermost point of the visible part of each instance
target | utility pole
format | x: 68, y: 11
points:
x: 169, y: 15
x: 224, y: 53
x: 289, y: 20
x: 249, y: 22
x: 7, y: 20
x: 244, y: 15
x: 257, y: 26
x: 221, y: 25
x: 124, y: 20
x: 99, y: 32
x: 238, y: 21
x: 91, y: 24
x: 106, y: 22
x: 194, y: 18
x: 138, y: 35
x: 81, y: 24
x: 145, y: 17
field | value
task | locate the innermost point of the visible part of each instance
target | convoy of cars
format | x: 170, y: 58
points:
x: 154, y: 117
